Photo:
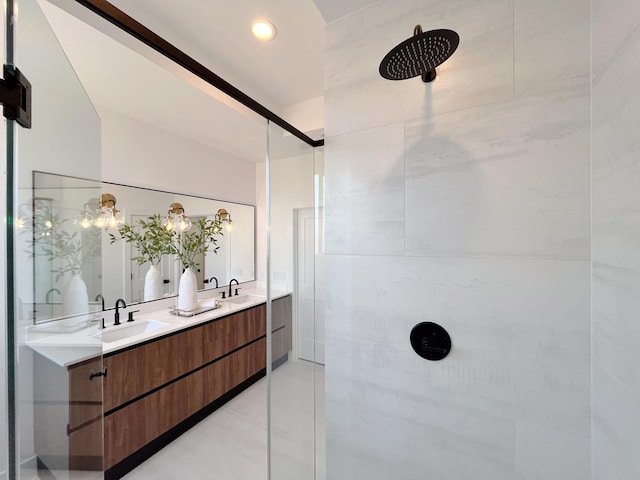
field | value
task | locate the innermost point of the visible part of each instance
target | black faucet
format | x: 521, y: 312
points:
x: 99, y: 296
x: 51, y: 290
x: 231, y: 283
x: 119, y: 302
x: 214, y: 278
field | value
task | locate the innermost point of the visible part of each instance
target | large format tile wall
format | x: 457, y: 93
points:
x: 616, y: 239
x: 464, y: 202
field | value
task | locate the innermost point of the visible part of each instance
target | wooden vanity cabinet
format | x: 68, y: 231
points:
x: 152, y: 389
x: 68, y: 415
x: 156, y: 390
x: 85, y: 417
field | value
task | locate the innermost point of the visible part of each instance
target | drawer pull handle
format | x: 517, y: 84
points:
x: 101, y: 373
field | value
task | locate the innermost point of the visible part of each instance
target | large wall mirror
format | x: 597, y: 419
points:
x: 67, y: 243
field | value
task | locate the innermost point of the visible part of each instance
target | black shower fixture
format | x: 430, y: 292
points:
x: 419, y: 55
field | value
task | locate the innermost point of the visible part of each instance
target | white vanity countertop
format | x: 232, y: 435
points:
x: 66, y: 349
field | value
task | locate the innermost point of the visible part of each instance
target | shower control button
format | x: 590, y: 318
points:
x: 430, y: 341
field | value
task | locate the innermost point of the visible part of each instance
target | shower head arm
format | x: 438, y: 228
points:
x: 429, y: 76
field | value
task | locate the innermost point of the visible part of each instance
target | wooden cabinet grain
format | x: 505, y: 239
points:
x: 134, y: 372
x: 230, y: 371
x: 232, y: 332
x: 153, y: 388
x: 85, y: 416
x: 131, y: 428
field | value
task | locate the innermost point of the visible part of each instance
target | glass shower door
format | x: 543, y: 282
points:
x: 296, y: 376
x: 53, y: 263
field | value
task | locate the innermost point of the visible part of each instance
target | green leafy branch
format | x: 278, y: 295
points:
x: 150, y: 237
x: 153, y: 240
x: 68, y: 251
x: 198, y: 241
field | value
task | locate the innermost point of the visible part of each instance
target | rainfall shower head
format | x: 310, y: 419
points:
x: 419, y: 55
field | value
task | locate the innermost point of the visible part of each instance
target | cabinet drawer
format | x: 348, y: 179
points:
x: 280, y: 344
x: 131, y: 428
x: 141, y: 369
x: 231, y: 371
x: 85, y: 395
x: 229, y: 333
x: 85, y: 447
x: 281, y: 312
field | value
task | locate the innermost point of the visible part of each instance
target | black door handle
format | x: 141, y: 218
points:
x: 101, y: 373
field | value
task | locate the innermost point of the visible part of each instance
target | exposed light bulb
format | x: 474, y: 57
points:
x: 86, y: 222
x: 184, y: 224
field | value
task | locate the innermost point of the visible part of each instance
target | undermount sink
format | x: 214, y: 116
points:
x: 113, y: 334
x: 244, y: 298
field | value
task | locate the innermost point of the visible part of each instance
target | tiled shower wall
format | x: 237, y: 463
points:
x: 616, y: 239
x: 464, y: 202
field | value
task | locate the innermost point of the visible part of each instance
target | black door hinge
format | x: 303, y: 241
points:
x: 15, y: 96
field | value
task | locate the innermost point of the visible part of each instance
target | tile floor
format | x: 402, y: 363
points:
x: 231, y: 443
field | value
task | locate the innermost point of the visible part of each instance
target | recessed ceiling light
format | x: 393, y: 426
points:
x: 263, y: 30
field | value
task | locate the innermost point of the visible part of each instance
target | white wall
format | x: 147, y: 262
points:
x: 139, y: 154
x: 463, y: 202
x: 616, y: 239
x: 291, y: 188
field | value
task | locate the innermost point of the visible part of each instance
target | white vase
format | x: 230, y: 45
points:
x: 188, y: 291
x: 152, y: 284
x: 75, y: 300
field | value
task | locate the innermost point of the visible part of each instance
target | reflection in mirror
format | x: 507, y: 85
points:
x: 66, y: 250
x: 123, y: 277
x: 69, y: 228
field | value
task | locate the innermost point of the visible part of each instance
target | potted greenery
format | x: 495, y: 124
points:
x: 67, y: 247
x: 200, y: 239
x: 151, y: 241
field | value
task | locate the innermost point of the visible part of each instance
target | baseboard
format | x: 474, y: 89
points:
x: 276, y: 363
x: 43, y: 469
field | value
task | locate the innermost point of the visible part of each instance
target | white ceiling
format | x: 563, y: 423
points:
x: 334, y: 9
x: 120, y: 79
x: 278, y: 74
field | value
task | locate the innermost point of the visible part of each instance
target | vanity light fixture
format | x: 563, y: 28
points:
x: 25, y: 216
x: 109, y: 216
x: 223, y: 216
x: 85, y: 220
x: 35, y: 214
x: 263, y: 30
x: 176, y: 219
x: 89, y: 212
